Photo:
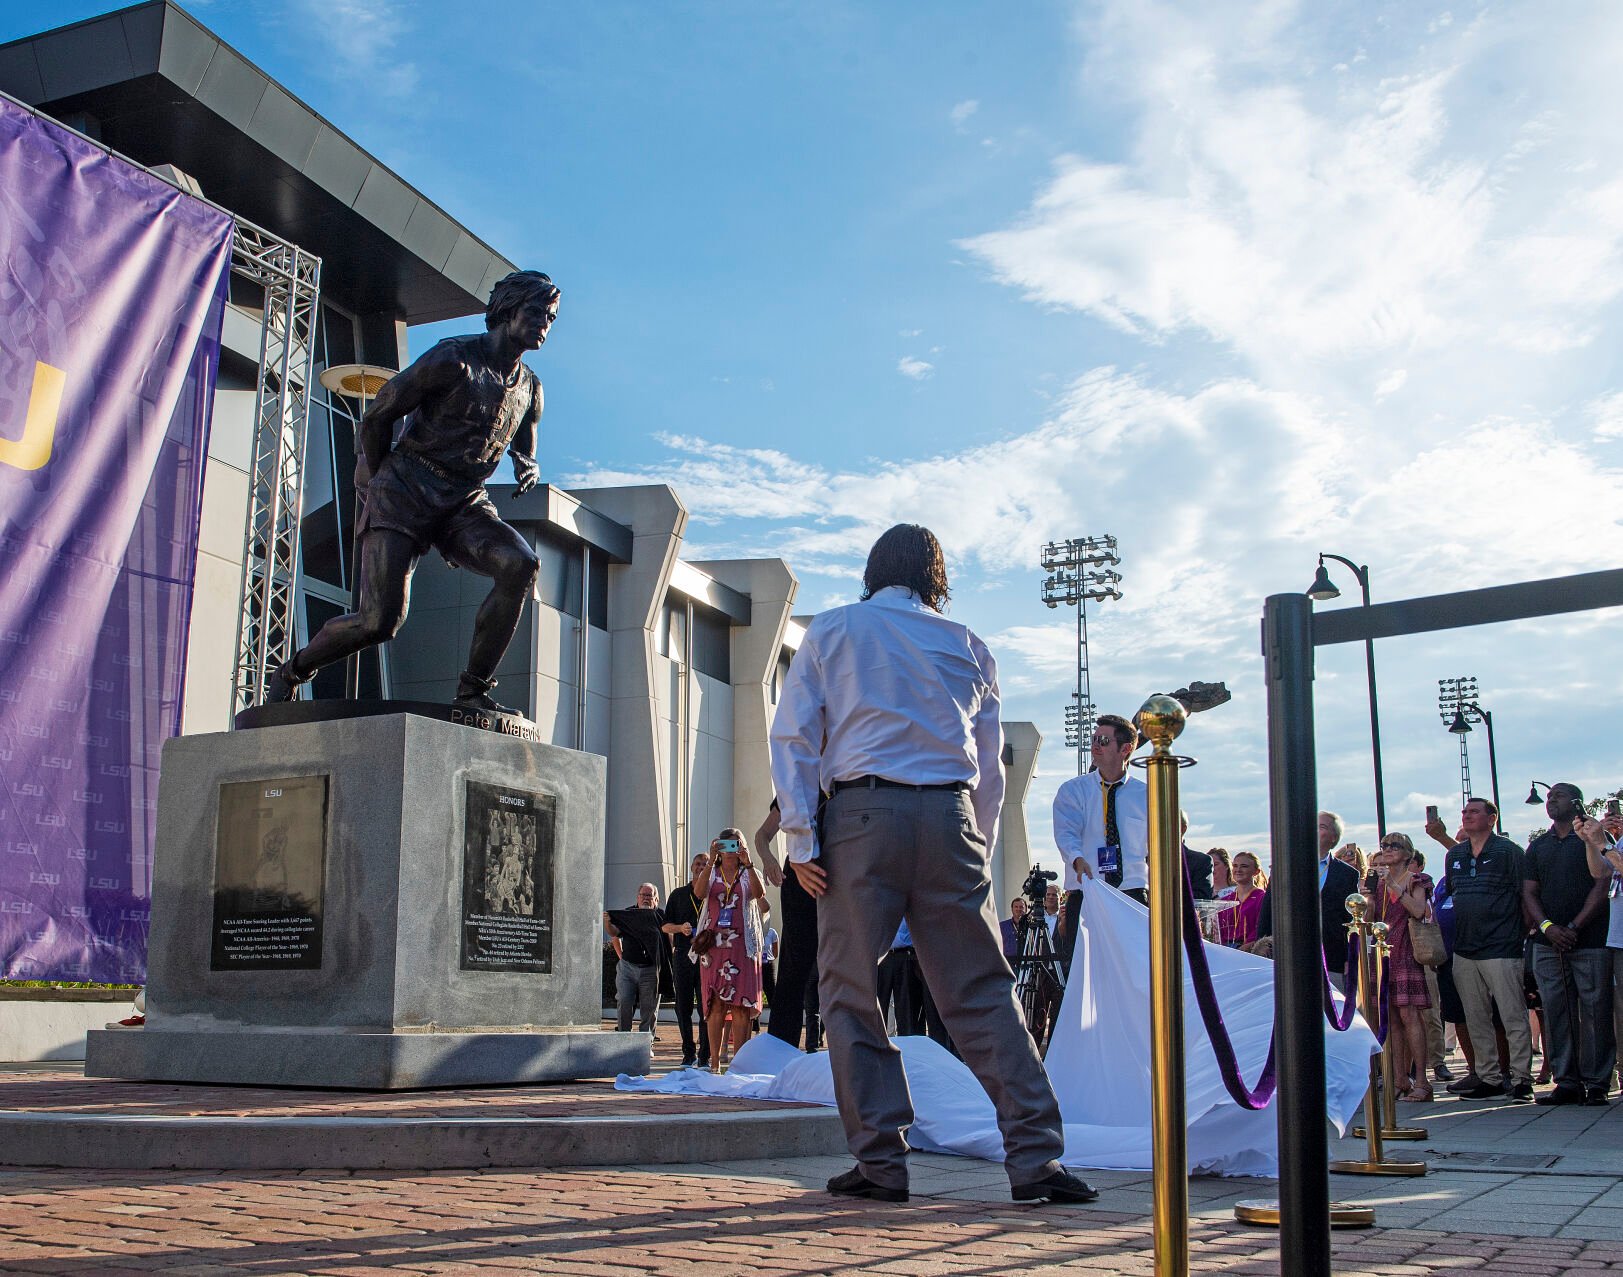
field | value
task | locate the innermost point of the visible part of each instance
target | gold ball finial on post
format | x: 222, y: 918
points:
x: 1161, y: 720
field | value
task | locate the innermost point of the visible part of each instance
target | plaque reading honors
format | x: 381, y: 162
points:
x: 270, y: 859
x: 507, y: 879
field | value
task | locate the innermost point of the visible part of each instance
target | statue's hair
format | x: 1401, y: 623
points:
x: 910, y: 556
x: 512, y: 291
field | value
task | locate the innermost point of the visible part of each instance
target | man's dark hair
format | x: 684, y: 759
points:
x: 512, y: 291
x: 909, y: 556
x: 1577, y: 794
x: 1125, y: 732
x: 1493, y: 809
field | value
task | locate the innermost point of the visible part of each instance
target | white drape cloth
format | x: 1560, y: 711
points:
x: 1098, y: 1062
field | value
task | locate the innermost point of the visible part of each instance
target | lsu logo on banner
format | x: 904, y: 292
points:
x: 33, y: 450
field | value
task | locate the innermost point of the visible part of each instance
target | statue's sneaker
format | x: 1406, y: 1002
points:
x: 486, y: 704
x: 282, y: 685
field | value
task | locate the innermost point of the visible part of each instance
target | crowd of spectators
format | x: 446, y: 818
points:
x: 1531, y: 953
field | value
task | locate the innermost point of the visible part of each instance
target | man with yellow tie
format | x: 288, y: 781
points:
x: 1101, y: 825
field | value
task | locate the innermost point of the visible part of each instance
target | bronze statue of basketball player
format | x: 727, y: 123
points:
x: 465, y: 402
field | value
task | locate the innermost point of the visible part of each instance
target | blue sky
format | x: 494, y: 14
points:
x: 1236, y: 282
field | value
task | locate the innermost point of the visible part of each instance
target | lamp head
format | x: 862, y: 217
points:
x: 1459, y: 726
x: 1533, y: 800
x: 1323, y: 588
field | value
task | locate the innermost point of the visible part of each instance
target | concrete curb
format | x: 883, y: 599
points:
x: 146, y: 1142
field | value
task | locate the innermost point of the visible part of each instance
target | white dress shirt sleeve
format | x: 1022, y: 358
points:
x: 988, y: 735
x: 798, y: 731
x: 1068, y: 822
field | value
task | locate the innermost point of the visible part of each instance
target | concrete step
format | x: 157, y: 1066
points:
x: 113, y: 1141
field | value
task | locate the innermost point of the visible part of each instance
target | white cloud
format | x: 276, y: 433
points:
x: 962, y: 111
x: 1391, y: 383
x: 917, y: 369
x: 1406, y: 208
x: 910, y: 332
x: 1606, y: 416
x: 361, y: 38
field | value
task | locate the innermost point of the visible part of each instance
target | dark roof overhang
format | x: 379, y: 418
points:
x: 153, y: 83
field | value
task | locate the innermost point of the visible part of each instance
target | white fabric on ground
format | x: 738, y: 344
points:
x: 1098, y: 1062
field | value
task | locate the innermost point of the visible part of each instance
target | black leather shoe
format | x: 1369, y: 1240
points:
x: 855, y: 1184
x: 1483, y: 1091
x: 1061, y: 1186
x: 1596, y: 1097
x: 1562, y: 1095
x: 1467, y: 1083
x: 1521, y: 1093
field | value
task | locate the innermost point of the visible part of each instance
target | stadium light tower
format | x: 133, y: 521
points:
x: 1079, y: 571
x: 1457, y: 707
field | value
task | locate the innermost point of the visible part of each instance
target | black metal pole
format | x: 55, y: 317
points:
x: 1374, y: 717
x: 1362, y: 573
x: 1493, y: 770
x: 1304, y: 1152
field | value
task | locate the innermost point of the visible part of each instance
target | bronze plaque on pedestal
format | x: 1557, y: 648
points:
x: 508, y: 843
x: 270, y: 862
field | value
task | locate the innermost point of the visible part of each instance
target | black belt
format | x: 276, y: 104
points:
x: 879, y: 782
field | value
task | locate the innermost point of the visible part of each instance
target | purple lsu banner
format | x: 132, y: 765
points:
x: 112, y: 289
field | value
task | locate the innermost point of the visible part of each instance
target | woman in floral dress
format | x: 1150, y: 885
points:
x: 730, y: 969
x: 1402, y: 892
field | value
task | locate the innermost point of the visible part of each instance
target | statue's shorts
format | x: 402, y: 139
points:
x: 435, y: 509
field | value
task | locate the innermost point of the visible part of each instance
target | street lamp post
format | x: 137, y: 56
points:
x: 1464, y: 712
x: 1324, y: 588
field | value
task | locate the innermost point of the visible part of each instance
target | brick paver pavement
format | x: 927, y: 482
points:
x: 713, y: 1222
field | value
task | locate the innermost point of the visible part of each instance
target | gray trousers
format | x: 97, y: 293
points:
x: 891, y: 853
x: 636, y: 988
x: 1486, y: 983
x: 1576, y: 990
x: 1617, y: 1010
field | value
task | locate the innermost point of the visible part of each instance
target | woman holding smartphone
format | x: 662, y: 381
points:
x: 729, y: 942
x: 1397, y: 893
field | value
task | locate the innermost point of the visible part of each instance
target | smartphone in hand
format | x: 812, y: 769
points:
x: 1431, y: 813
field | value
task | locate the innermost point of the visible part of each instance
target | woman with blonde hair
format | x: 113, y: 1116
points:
x: 1402, y: 893
x: 1238, y: 927
x: 729, y: 942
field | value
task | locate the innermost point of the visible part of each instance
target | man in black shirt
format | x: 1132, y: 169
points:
x: 1484, y: 875
x: 641, y: 946
x: 681, y: 917
x: 1568, y: 906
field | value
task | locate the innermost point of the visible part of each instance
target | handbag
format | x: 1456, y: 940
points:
x: 1426, y: 942
x: 703, y: 941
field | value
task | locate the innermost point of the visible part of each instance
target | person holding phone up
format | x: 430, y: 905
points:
x: 729, y: 942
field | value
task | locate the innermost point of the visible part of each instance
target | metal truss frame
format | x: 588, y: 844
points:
x: 266, y: 625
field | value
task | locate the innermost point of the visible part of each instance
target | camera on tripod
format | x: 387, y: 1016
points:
x: 1035, y: 886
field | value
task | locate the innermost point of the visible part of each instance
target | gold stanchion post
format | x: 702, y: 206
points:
x: 1370, y: 959
x: 1161, y: 720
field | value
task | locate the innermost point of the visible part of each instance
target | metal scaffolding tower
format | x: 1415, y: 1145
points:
x: 1080, y: 570
x: 291, y: 280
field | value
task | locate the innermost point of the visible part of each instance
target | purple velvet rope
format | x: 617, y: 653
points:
x: 1228, y: 1064
x: 1342, y: 1021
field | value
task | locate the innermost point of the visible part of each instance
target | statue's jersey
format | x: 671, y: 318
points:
x: 463, y: 431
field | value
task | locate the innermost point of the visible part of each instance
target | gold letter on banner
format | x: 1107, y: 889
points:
x: 33, y: 450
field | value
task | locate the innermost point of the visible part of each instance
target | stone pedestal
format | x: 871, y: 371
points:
x: 378, y: 902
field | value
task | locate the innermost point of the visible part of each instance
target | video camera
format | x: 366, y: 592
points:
x: 1035, y: 887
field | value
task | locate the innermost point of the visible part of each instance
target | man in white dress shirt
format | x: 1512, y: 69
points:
x: 1101, y: 824
x: 892, y: 710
